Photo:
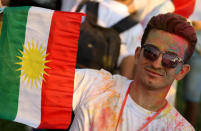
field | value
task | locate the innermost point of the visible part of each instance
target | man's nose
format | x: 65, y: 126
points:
x: 158, y: 62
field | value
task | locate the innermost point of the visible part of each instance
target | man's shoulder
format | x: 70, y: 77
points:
x: 93, y: 73
x: 95, y: 86
x: 179, y: 122
x: 97, y: 75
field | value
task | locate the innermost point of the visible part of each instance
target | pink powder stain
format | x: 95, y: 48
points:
x: 179, y: 45
x: 173, y: 42
x: 106, y: 110
x: 179, y: 50
x: 108, y: 118
x: 91, y: 128
x: 180, y: 123
x: 148, y: 118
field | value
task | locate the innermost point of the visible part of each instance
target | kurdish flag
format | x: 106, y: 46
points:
x: 38, y: 49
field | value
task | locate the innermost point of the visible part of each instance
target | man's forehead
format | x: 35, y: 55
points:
x: 166, y: 41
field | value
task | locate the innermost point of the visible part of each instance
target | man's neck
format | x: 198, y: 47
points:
x: 152, y: 100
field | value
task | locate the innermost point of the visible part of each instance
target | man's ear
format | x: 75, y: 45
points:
x: 183, y: 72
x: 137, y: 52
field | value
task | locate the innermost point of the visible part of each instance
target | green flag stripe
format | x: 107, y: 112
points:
x: 12, y: 39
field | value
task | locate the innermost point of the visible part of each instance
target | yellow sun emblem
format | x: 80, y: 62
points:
x: 33, y: 63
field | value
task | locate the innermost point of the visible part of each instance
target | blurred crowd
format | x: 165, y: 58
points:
x: 112, y: 11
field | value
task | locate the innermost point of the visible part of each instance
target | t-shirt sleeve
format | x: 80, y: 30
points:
x: 179, y: 122
x: 84, y: 79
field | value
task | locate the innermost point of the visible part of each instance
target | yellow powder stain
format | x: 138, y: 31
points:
x: 105, y: 75
x: 165, y: 111
x: 105, y: 110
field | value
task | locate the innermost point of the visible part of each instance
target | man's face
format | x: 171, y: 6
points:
x: 152, y: 74
x: 4, y: 2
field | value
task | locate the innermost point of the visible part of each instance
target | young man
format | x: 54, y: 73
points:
x: 102, y: 101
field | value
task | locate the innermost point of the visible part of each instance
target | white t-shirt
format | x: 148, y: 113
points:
x: 97, y: 100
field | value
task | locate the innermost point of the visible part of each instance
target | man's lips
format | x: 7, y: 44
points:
x: 154, y: 73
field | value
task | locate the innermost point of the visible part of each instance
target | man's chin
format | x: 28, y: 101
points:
x: 152, y: 85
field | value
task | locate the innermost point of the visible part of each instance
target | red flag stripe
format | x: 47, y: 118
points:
x: 57, y: 89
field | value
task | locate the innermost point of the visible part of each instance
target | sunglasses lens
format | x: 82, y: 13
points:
x: 170, y: 60
x: 151, y: 53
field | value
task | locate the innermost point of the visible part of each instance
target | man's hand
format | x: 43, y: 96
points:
x: 196, y: 25
x: 0, y: 4
x: 127, y: 67
x: 4, y: 3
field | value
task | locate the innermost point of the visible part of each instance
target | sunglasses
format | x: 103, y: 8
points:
x: 169, y: 59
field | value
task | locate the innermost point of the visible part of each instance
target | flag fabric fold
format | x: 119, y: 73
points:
x: 38, y: 49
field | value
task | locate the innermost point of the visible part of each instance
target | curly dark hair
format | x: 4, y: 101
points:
x: 175, y: 24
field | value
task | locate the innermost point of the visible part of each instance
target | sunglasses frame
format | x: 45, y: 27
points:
x: 177, y: 58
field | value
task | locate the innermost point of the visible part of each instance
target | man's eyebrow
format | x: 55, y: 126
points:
x: 172, y: 51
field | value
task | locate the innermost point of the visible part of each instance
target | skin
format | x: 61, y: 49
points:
x: 4, y: 2
x: 152, y: 80
x: 127, y: 67
x: 127, y: 64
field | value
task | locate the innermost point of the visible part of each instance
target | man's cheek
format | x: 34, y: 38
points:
x: 178, y: 69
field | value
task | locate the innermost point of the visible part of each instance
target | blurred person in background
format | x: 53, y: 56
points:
x: 4, y: 3
x: 192, y: 82
x: 67, y: 5
x: 50, y: 4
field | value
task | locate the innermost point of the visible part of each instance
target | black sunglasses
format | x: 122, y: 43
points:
x: 169, y: 59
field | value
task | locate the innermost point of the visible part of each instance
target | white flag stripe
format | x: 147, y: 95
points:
x: 37, y: 29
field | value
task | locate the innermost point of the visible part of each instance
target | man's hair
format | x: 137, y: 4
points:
x: 175, y: 24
